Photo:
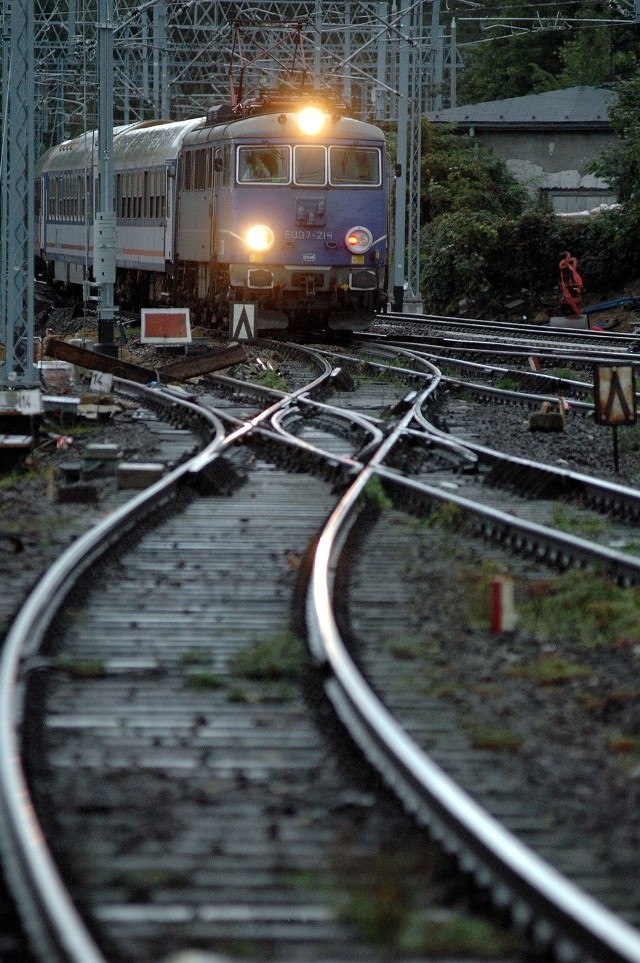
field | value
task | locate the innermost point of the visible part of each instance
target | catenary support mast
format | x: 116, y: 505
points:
x: 104, y: 241
x: 17, y: 198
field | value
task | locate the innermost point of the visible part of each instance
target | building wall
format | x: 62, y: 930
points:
x: 553, y: 163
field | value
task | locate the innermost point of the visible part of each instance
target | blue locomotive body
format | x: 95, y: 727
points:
x: 240, y: 207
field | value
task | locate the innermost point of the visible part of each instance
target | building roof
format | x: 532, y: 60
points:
x: 577, y: 106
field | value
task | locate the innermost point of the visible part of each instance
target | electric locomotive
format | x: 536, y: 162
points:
x: 279, y: 205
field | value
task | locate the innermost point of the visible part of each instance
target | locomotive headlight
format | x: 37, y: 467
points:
x: 358, y: 240
x: 260, y: 237
x: 310, y: 120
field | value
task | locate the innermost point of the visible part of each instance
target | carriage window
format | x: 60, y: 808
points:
x: 187, y: 183
x: 354, y: 166
x: 137, y: 194
x: 156, y: 192
x: 222, y: 165
x: 200, y: 170
x: 310, y: 165
x: 263, y: 165
x: 85, y: 196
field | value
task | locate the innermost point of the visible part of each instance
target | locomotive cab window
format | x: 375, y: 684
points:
x: 263, y: 165
x: 355, y: 166
x: 310, y: 165
x: 222, y: 165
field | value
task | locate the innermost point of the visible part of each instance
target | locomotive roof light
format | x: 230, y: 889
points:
x: 260, y: 238
x: 311, y: 120
x: 358, y: 239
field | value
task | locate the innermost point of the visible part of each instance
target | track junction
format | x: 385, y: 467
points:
x: 190, y: 797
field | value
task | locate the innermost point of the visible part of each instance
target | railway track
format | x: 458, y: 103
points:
x: 524, y: 337
x: 241, y: 819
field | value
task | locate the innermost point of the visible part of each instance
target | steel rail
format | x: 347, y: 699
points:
x: 599, y: 491
x: 578, y: 926
x: 515, y: 396
x: 49, y: 917
x: 548, y: 349
x: 521, y: 329
x: 55, y: 927
x: 61, y: 934
x: 572, y: 385
x: 315, y: 407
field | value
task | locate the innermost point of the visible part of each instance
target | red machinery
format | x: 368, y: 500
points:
x: 570, y: 287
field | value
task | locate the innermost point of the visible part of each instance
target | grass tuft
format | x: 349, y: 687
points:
x: 550, y: 670
x: 82, y: 668
x: 281, y: 657
x: 586, y: 608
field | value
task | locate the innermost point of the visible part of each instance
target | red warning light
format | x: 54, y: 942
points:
x: 358, y: 239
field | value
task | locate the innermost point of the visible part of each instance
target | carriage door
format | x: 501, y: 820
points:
x: 169, y: 209
x: 217, y: 171
x: 220, y: 199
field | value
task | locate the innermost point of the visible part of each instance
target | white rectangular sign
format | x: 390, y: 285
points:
x: 101, y: 382
x: 27, y: 402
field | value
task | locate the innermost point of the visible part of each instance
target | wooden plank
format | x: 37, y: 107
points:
x: 177, y: 370
x: 201, y: 364
x: 92, y: 360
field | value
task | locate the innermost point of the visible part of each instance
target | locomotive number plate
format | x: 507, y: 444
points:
x: 308, y: 235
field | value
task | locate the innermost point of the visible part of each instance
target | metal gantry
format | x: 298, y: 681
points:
x: 171, y: 59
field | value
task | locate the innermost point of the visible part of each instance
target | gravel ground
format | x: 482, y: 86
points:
x: 34, y: 531
x: 584, y: 734
x: 583, y: 446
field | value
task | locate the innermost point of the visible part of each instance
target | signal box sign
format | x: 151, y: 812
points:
x: 615, y: 394
x: 165, y: 325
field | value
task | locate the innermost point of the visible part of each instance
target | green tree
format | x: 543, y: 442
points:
x: 620, y: 165
x: 538, y: 60
x: 458, y: 174
x: 592, y: 54
x: 483, y: 242
x: 479, y: 261
x: 499, y: 63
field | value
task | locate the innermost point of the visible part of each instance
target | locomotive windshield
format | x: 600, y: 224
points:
x: 313, y: 165
x: 263, y: 165
x: 310, y: 165
x: 354, y: 166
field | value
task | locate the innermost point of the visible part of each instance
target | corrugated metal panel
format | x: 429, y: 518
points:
x: 150, y: 145
x: 575, y: 202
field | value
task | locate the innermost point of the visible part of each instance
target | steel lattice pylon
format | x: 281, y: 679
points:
x: 16, y: 199
x: 171, y: 59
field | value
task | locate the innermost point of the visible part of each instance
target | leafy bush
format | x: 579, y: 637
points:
x: 482, y: 241
x: 459, y: 175
x: 459, y: 255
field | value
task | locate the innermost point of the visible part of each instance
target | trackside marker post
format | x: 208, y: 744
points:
x: 503, y: 610
x: 243, y: 322
x: 615, y: 399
